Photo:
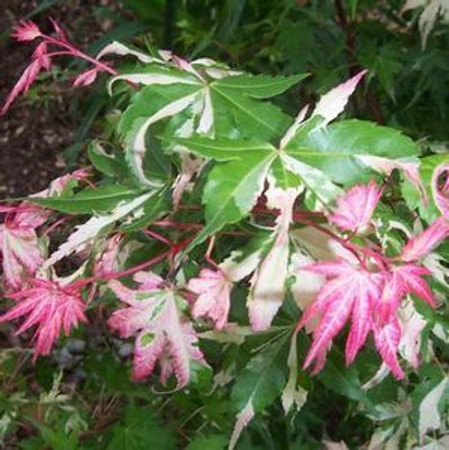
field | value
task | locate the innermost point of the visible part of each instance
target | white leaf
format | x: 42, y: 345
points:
x: 88, y: 231
x: 207, y: 114
x: 429, y: 416
x: 294, y: 128
x: 243, y: 418
x: 293, y: 393
x: 116, y: 48
x: 333, y: 103
x: 335, y: 445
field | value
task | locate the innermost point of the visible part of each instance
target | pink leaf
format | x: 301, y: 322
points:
x: 25, y: 81
x: 40, y: 54
x: 48, y: 307
x: 419, y: 246
x: 387, y: 340
x: 86, y: 78
x: 440, y: 188
x: 350, y: 292
x: 26, y: 31
x: 162, y: 332
x: 214, y: 291
x: 356, y: 207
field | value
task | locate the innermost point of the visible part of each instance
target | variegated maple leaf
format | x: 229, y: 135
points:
x: 21, y: 255
x: 350, y: 293
x: 370, y: 300
x: 51, y: 308
x: 355, y: 208
x: 163, y: 333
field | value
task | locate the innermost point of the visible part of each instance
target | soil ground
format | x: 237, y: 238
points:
x: 38, y: 128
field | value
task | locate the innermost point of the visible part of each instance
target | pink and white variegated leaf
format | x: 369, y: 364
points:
x: 244, y: 417
x: 440, y: 188
x: 21, y: 254
x: 412, y: 325
x: 350, y: 293
x: 50, y: 308
x: 21, y: 87
x: 332, y: 104
x: 355, y: 208
x: 86, y: 78
x: 214, y: 296
x: 409, y: 281
x: 422, y: 244
x: 26, y: 31
x: 162, y: 332
x: 268, y: 283
x: 387, y: 338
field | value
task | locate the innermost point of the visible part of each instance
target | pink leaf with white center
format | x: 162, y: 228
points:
x: 26, y: 31
x: 48, y: 307
x: 163, y: 332
x: 440, y: 188
x: 21, y: 87
x: 356, y: 207
x: 333, y: 103
x: 422, y: 244
x: 214, y: 292
x: 86, y: 78
x: 387, y: 340
x: 350, y: 293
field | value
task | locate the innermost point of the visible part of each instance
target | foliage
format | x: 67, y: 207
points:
x: 249, y: 240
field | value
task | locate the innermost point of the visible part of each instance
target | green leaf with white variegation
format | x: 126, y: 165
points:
x: 427, y: 207
x: 87, y: 232
x: 90, y: 201
x: 259, y: 384
x: 258, y: 86
x: 232, y: 190
x: 109, y: 164
x: 338, y: 149
x: 155, y: 207
x: 429, y: 413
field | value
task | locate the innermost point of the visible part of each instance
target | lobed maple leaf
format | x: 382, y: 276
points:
x: 162, y: 332
x: 369, y: 300
x: 51, y: 308
x: 355, y: 208
x: 26, y: 31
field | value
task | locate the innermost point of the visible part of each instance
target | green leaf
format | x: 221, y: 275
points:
x: 258, y: 86
x: 263, y: 379
x: 336, y: 149
x: 428, y: 211
x: 231, y: 191
x: 103, y: 162
x: 90, y: 201
x: 139, y: 430
x: 223, y: 149
x: 253, y: 118
x: 212, y: 442
x: 153, y: 208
